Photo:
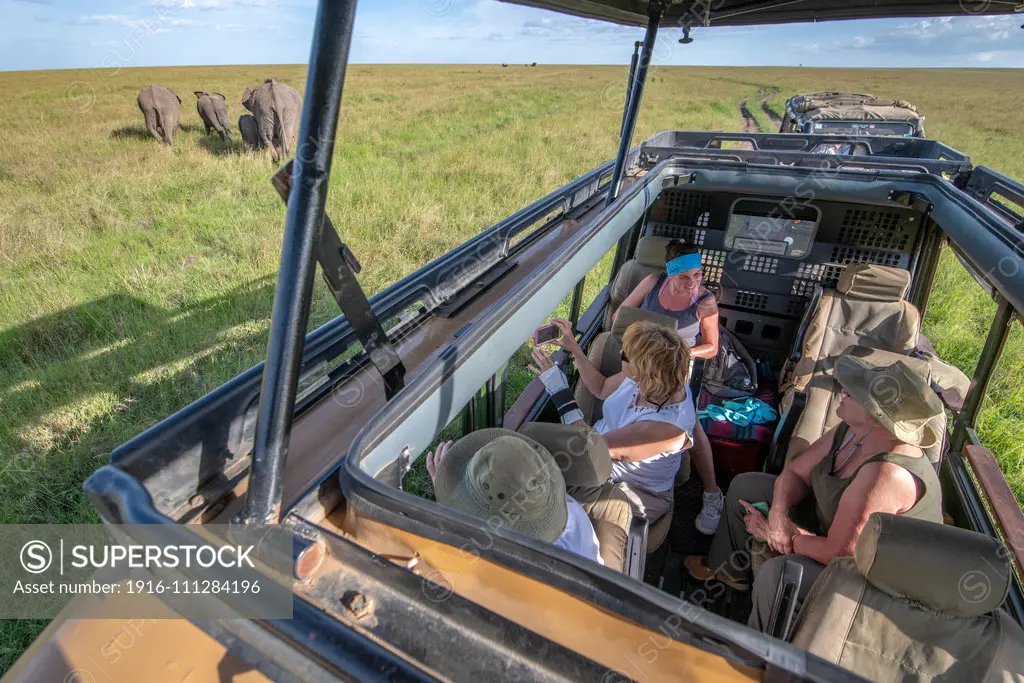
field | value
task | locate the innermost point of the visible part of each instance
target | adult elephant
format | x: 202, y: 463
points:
x: 277, y: 108
x: 162, y: 108
x: 213, y: 109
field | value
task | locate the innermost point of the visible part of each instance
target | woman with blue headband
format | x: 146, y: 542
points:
x: 678, y: 293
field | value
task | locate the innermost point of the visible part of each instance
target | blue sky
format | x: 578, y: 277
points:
x: 53, y: 34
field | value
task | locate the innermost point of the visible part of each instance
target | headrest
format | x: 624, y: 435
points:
x: 947, y: 569
x: 650, y: 251
x: 868, y: 282
x: 629, y: 314
x: 580, y: 452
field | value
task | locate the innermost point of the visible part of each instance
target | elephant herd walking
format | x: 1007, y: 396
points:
x: 272, y: 124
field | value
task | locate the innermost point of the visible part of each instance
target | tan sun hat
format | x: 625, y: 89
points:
x: 898, y: 398
x: 505, y: 479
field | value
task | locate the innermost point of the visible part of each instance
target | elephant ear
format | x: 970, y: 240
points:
x: 245, y: 98
x: 198, y: 93
x: 217, y: 94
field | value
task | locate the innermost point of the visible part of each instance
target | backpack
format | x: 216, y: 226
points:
x: 731, y: 373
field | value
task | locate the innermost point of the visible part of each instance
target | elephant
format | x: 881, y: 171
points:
x: 213, y: 109
x: 277, y: 108
x: 162, y: 108
x: 250, y: 132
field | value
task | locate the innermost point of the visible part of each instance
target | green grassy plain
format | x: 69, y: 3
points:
x: 135, y: 278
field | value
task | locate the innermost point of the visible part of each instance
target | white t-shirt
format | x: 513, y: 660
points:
x: 579, y: 536
x: 658, y: 472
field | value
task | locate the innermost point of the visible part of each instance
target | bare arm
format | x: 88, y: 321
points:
x: 636, y: 297
x: 600, y: 386
x: 791, y: 487
x: 878, y: 487
x: 644, y: 439
x: 709, y: 337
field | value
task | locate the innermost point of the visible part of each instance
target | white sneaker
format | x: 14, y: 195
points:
x: 710, y: 513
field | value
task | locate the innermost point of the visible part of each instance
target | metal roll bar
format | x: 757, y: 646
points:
x: 332, y: 37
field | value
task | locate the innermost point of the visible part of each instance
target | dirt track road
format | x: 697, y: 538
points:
x: 772, y: 116
x: 749, y: 122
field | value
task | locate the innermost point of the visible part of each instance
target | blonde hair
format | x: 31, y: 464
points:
x: 659, y: 358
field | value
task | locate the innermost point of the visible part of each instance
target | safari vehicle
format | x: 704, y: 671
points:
x: 393, y: 586
x: 851, y: 114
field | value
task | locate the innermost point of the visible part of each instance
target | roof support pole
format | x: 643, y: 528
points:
x: 635, y: 96
x: 332, y: 37
x: 997, y: 335
x: 629, y: 83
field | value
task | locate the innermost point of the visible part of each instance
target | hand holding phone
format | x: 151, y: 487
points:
x: 546, y: 334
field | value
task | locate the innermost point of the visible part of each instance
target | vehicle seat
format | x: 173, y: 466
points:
x: 918, y: 602
x: 582, y: 456
x: 649, y: 258
x: 866, y: 311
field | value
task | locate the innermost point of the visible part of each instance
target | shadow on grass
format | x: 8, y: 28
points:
x: 139, y: 132
x: 218, y: 147
x: 126, y: 364
x: 131, y: 133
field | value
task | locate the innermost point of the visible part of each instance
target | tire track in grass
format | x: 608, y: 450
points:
x: 750, y: 124
x: 772, y: 116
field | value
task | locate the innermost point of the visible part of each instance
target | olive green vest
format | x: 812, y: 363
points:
x: 827, y: 488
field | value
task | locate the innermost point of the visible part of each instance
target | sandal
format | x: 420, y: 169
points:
x: 698, y: 567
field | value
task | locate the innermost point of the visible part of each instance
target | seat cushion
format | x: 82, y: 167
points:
x: 611, y: 515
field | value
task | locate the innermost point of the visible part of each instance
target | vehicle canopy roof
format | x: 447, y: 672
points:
x: 851, y: 107
x: 748, y: 12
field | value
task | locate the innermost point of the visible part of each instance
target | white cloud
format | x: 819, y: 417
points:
x: 207, y: 5
x: 94, y: 19
x: 984, y: 56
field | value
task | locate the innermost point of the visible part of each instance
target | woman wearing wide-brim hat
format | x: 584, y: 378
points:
x: 513, y: 482
x: 871, y: 462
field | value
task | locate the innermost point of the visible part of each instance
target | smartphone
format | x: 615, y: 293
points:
x: 546, y: 334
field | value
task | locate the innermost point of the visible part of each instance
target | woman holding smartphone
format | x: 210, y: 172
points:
x: 649, y: 415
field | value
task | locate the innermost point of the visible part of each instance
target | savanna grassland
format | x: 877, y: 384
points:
x: 134, y: 278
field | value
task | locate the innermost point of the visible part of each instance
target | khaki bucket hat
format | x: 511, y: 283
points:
x: 505, y: 479
x: 898, y: 398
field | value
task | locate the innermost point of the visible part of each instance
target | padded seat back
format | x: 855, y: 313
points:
x: 866, y: 309
x: 648, y: 259
x: 918, y: 602
x: 582, y: 455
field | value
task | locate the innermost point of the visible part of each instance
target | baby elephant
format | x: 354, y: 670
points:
x: 162, y: 108
x: 250, y: 132
x: 213, y: 109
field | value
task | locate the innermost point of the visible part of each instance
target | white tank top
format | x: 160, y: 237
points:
x: 658, y: 472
